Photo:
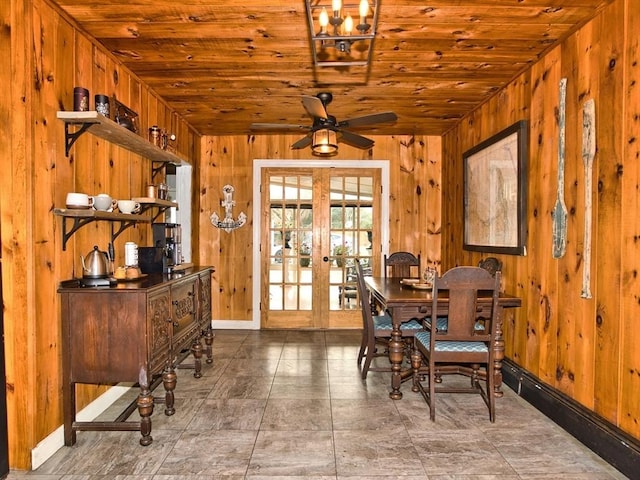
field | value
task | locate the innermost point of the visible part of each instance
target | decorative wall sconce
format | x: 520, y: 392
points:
x: 228, y: 223
x: 336, y: 39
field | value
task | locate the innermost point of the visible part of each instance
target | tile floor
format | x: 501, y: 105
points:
x: 291, y: 405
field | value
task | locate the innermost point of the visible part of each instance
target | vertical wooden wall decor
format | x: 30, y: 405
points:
x: 560, y: 209
x: 588, y: 152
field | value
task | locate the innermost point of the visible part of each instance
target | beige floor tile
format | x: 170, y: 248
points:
x: 302, y: 453
x: 297, y: 414
x: 242, y: 387
x: 291, y: 405
x: 371, y: 453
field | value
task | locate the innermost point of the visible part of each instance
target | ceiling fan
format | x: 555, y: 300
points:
x: 326, y: 131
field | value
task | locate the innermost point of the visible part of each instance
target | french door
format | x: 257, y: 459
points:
x: 314, y: 223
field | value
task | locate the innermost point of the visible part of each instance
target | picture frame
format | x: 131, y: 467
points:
x: 495, y: 193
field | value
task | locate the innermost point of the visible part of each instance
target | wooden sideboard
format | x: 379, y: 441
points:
x: 138, y: 331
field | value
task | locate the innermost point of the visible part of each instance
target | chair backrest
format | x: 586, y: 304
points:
x: 464, y: 313
x: 491, y: 265
x: 402, y: 265
x: 365, y: 306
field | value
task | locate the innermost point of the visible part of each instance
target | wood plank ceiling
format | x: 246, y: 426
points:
x: 223, y: 64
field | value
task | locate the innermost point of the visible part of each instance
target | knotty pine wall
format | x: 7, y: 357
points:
x: 586, y: 348
x: 45, y: 57
x: 414, y: 223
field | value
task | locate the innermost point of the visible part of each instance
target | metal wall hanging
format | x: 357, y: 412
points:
x: 228, y: 224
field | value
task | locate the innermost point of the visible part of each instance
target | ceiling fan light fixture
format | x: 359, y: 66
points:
x: 325, y: 142
x: 332, y: 31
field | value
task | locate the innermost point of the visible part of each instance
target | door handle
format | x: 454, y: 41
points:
x: 325, y: 259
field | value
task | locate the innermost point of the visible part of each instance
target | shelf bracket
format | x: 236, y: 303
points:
x: 155, y: 170
x: 77, y: 223
x: 155, y: 216
x: 124, y: 224
x: 71, y: 137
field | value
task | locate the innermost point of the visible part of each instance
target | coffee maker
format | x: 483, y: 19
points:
x: 168, y: 237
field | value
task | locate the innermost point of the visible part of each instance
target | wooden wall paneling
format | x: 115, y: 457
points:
x: 209, y: 238
x: 581, y: 50
x: 630, y: 361
x: 430, y: 155
x: 16, y: 258
x: 534, y: 339
x: 42, y: 277
x: 231, y: 157
x: 568, y: 282
x: 102, y: 154
x: 236, y: 246
x: 452, y: 200
x: 208, y: 247
x: 404, y: 235
x: 138, y: 169
x: 515, y: 106
x: 223, y: 263
x: 630, y: 353
x: 82, y: 150
x: 607, y: 217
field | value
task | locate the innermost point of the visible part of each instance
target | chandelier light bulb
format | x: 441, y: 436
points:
x: 364, y: 9
x: 323, y: 20
x: 348, y: 25
x: 336, y: 5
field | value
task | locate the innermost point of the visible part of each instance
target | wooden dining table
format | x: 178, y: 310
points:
x: 405, y: 302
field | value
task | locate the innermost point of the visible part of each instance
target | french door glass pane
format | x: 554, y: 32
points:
x: 351, y: 211
x: 290, y: 233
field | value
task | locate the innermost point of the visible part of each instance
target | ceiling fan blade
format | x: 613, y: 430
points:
x: 314, y: 107
x: 355, y: 140
x: 302, y: 143
x: 368, y: 120
x: 277, y: 127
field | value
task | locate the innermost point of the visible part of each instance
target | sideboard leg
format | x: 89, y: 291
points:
x: 169, y: 380
x: 196, y: 351
x: 208, y: 341
x: 145, y: 409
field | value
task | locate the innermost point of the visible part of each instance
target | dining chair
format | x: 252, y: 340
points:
x: 464, y: 346
x: 376, y: 330
x: 402, y: 265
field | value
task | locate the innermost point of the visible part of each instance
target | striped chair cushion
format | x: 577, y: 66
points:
x: 442, y: 322
x: 383, y: 322
x: 445, y: 346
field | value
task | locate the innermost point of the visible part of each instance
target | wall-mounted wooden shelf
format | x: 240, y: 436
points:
x: 107, y: 129
x: 147, y: 203
x: 81, y: 218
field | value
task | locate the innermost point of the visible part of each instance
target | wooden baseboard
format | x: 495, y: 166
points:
x: 612, y: 444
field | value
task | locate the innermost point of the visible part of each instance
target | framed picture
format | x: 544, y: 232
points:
x: 495, y: 194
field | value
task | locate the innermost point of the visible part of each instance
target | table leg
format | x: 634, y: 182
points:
x: 396, y: 355
x: 498, y: 346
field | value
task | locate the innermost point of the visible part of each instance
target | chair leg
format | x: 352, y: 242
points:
x: 432, y: 391
x: 491, y: 394
x: 367, y: 363
x: 363, y: 347
x: 416, y: 363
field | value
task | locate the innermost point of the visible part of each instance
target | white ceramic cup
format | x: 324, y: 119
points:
x: 104, y: 202
x: 128, y: 206
x: 79, y: 200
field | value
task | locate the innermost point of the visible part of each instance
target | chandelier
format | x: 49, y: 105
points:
x: 337, y: 39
